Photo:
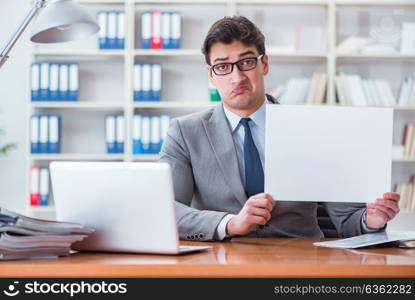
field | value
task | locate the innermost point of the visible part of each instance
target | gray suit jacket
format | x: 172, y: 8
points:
x: 207, y: 184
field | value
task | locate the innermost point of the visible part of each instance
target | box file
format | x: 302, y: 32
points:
x: 44, y: 186
x: 155, y: 139
x: 112, y: 30
x: 119, y: 134
x: 35, y: 77
x: 34, y: 186
x: 54, y: 82
x: 146, y: 30
x: 176, y: 30
x: 73, y: 82
x: 155, y: 82
x: 166, y: 29
x: 120, y: 42
x: 146, y: 83
x: 110, y: 133
x: 103, y: 33
x: 145, y: 134
x: 138, y: 92
x: 35, y: 133
x: 54, y: 134
x: 137, y: 144
x: 155, y: 29
x: 44, y: 134
x: 44, y: 82
x: 63, y: 82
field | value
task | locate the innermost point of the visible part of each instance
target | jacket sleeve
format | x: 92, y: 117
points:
x: 193, y: 224
x: 346, y: 217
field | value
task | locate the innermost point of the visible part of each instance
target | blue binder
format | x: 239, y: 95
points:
x: 73, y: 82
x: 44, y: 134
x: 176, y: 30
x: 119, y: 134
x: 35, y: 133
x: 35, y: 78
x: 146, y: 83
x: 103, y: 33
x: 146, y: 30
x: 156, y: 75
x: 63, y: 82
x: 155, y: 140
x: 54, y: 134
x: 110, y: 133
x: 137, y: 129
x: 138, y: 90
x: 120, y: 42
x: 44, y: 186
x: 44, y: 82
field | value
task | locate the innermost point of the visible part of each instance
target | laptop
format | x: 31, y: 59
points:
x: 130, y: 205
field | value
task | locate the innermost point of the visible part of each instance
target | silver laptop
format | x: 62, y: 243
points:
x: 130, y: 205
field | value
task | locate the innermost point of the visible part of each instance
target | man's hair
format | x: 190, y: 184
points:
x: 230, y: 29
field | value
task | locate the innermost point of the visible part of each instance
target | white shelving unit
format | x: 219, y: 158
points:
x: 185, y: 87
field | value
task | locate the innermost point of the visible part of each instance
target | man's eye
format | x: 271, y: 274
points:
x: 247, y: 62
x: 222, y: 67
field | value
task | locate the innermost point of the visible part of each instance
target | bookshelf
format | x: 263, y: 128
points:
x: 186, y: 65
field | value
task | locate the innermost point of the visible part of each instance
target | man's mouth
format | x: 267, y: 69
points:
x: 240, y: 90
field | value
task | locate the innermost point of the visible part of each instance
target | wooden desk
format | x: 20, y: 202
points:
x: 238, y: 258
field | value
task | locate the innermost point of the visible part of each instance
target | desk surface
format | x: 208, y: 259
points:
x: 239, y: 258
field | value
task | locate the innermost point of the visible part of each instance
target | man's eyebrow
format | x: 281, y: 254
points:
x: 240, y: 55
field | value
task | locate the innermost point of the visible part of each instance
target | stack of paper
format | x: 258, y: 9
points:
x: 23, y: 237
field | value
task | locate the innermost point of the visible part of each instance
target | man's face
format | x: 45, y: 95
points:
x: 241, y: 91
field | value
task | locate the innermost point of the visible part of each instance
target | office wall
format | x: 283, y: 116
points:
x: 13, y: 105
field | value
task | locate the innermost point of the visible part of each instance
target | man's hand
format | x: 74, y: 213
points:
x: 256, y: 211
x: 382, y: 211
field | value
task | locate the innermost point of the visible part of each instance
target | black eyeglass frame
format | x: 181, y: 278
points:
x: 212, y: 67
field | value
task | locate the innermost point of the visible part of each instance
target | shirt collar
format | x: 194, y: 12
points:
x: 258, y: 117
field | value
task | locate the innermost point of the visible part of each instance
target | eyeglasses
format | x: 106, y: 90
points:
x: 245, y: 64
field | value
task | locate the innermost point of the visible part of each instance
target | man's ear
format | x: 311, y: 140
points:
x: 210, y: 77
x: 265, y: 63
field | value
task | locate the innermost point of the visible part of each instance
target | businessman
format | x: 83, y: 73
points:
x: 217, y: 155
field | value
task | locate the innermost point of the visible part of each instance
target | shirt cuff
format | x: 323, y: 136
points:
x: 221, y: 229
x: 366, y: 229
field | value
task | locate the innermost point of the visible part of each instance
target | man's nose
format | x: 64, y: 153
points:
x: 237, y: 75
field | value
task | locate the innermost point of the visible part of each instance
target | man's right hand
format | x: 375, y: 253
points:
x: 256, y: 211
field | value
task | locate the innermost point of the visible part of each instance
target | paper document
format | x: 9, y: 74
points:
x: 326, y: 153
x: 369, y: 239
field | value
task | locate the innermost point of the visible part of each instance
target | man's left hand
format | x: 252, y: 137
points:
x: 382, y: 210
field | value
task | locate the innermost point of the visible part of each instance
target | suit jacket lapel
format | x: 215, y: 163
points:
x: 219, y: 135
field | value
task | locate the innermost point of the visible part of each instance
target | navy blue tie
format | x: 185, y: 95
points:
x: 254, y: 174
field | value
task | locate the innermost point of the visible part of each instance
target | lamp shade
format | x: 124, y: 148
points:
x: 63, y: 21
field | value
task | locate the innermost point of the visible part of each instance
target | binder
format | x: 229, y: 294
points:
x: 63, y: 82
x: 214, y: 95
x: 112, y: 29
x: 146, y: 30
x: 156, y: 29
x: 34, y: 135
x: 145, y: 134
x: 166, y: 30
x: 54, y: 134
x: 34, y: 186
x: 44, y: 186
x: 176, y: 30
x: 146, y: 83
x: 164, y: 127
x: 120, y: 30
x: 103, y: 33
x: 155, y: 82
x: 137, y: 144
x: 155, y: 140
x: 138, y: 92
x: 73, y: 82
x: 44, y: 81
x: 110, y: 133
x: 35, y: 82
x: 44, y: 134
x: 119, y: 134
x: 54, y: 82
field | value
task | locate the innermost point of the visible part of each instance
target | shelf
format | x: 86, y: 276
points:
x: 375, y: 3
x: 173, y: 104
x: 376, y: 56
x: 409, y: 108
x: 101, y: 1
x: 41, y: 209
x: 189, y: 2
x: 145, y: 157
x: 283, y: 2
x: 167, y: 52
x: 75, y: 156
x: 77, y: 105
x: 403, y: 160
x: 78, y: 52
x: 303, y: 54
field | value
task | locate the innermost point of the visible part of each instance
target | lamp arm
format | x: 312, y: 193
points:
x: 36, y: 7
